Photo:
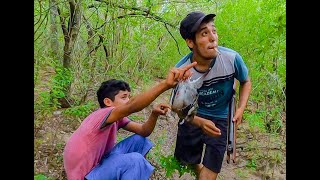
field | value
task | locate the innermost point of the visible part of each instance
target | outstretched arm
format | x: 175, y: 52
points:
x: 142, y: 100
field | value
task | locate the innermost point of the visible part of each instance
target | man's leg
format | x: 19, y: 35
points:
x: 198, y: 168
x: 130, y: 166
x: 207, y: 174
x: 204, y: 173
x: 214, y: 152
x: 126, y: 160
x: 189, y: 144
x: 134, y: 143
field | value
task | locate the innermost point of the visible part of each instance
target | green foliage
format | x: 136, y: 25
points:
x: 273, y: 121
x: 242, y: 173
x: 81, y: 111
x: 48, y: 100
x: 168, y: 162
x: 157, y: 149
x: 120, y: 138
x: 251, y: 163
x: 136, y: 117
x: 171, y: 164
x: 41, y: 177
x: 45, y: 102
x: 42, y: 109
x: 257, y: 30
x: 61, y: 81
x: 276, y: 157
x: 256, y: 119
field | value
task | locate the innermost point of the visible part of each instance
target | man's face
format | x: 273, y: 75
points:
x: 206, y: 41
x: 121, y: 98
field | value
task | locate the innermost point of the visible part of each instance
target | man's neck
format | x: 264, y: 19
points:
x: 202, y: 64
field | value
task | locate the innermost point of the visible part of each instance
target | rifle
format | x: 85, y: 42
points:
x: 231, y: 139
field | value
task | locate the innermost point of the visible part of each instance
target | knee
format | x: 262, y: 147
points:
x: 207, y: 174
x: 138, y: 138
x: 136, y: 157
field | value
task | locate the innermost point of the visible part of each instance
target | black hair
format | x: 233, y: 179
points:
x: 109, y: 89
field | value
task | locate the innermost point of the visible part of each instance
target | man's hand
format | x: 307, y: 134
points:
x: 178, y: 74
x: 237, y: 118
x: 207, y: 126
x: 160, y: 109
x: 244, y: 92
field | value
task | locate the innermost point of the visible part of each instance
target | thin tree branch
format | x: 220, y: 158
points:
x: 165, y: 25
x: 72, y: 16
x: 144, y: 12
x: 158, y: 18
x: 63, y: 24
x: 40, y: 14
x: 45, y: 18
x: 96, y: 9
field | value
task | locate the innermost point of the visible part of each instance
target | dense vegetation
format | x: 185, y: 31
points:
x: 80, y: 43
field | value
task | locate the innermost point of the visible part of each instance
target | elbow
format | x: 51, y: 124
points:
x: 145, y: 134
x: 248, y: 81
x: 143, y: 131
x: 247, y: 84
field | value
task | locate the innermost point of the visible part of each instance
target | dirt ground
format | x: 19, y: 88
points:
x: 50, y: 139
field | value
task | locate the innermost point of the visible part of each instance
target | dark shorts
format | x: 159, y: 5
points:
x: 190, y: 141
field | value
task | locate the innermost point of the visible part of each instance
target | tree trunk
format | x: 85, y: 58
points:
x: 53, y: 28
x: 70, y: 33
x: 91, y: 56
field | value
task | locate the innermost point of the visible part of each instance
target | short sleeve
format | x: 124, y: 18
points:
x: 123, y: 122
x: 241, y: 70
x: 107, y: 114
x: 120, y: 124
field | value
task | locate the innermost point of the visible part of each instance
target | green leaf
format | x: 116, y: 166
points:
x: 40, y: 177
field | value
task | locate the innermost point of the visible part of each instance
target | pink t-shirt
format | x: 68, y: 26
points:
x: 88, y: 144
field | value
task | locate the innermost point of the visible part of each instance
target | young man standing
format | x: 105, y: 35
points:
x: 220, y: 66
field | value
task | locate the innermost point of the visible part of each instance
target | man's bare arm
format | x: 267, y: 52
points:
x: 142, y: 100
x: 146, y: 128
x: 244, y: 93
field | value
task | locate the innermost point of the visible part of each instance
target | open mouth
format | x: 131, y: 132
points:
x: 212, y: 47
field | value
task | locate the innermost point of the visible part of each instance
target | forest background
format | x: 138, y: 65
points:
x: 80, y: 43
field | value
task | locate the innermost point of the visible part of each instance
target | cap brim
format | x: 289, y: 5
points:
x: 197, y: 24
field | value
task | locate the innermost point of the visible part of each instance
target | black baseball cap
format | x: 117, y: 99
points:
x: 190, y: 24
